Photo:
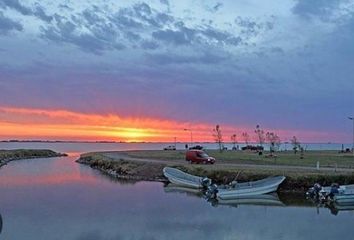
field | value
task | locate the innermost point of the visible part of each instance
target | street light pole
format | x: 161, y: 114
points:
x: 352, y: 118
x: 188, y: 129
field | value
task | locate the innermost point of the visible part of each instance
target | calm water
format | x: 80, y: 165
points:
x: 76, y: 148
x: 59, y: 199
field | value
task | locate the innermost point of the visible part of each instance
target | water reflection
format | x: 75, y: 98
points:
x: 334, y: 207
x: 285, y: 199
x: 0, y: 223
x: 90, y: 205
x: 192, y: 192
x: 258, y: 200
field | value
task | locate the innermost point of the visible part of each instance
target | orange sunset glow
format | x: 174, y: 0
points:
x: 26, y: 123
x: 61, y: 124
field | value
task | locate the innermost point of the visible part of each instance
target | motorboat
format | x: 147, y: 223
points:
x: 230, y: 191
x: 344, y: 198
x: 334, y: 188
x: 238, y: 190
x: 181, y: 178
x: 342, y: 194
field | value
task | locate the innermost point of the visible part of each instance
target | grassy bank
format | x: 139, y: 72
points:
x: 325, y: 158
x: 123, y: 166
x: 18, y: 154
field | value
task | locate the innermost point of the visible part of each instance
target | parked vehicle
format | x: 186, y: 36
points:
x: 171, y: 148
x: 199, y: 156
x: 252, y: 148
x: 196, y: 147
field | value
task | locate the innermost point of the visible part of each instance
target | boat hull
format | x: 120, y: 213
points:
x: 180, y: 178
x: 184, y: 183
x: 266, y: 187
x: 344, y: 199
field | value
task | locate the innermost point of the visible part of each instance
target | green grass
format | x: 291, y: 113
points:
x: 7, y: 155
x: 326, y: 158
x: 296, y: 180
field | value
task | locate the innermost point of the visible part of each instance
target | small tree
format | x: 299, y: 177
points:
x: 234, y: 140
x: 246, y: 137
x: 274, y: 141
x: 260, y: 135
x: 296, y: 144
x: 218, y: 137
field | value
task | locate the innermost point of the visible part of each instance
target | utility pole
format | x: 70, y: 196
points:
x: 188, y: 129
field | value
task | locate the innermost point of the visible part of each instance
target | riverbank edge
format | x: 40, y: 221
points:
x: 7, y: 156
x: 152, y: 171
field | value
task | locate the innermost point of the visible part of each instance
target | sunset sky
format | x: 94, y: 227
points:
x: 146, y: 70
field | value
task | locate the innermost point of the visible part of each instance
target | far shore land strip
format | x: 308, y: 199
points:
x: 324, y: 167
x: 7, y: 156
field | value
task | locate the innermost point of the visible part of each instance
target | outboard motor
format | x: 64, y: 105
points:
x: 315, y: 190
x: 334, y: 190
x: 212, y: 191
x: 206, y: 182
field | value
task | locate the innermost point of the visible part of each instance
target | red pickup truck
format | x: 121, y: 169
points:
x: 199, y: 156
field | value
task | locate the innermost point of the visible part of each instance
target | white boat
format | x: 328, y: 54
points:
x: 342, y: 189
x: 263, y: 186
x: 252, y: 188
x: 344, y: 199
x: 181, y: 178
x: 345, y: 195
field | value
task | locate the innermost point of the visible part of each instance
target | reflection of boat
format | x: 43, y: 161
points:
x: 259, y: 187
x: 263, y: 200
x: 181, y: 178
x: 0, y: 223
x: 173, y: 188
x: 336, y: 207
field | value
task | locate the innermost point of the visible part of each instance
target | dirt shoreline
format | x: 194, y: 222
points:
x: 7, y: 156
x: 298, y: 179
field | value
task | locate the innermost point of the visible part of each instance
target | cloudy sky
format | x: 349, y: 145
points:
x: 144, y: 70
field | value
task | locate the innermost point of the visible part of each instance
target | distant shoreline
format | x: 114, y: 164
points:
x: 142, y: 142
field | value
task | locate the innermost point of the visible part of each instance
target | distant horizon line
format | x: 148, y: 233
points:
x: 187, y: 142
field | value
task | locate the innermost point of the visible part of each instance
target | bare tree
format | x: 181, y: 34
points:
x: 296, y: 144
x: 234, y: 140
x: 260, y: 135
x: 274, y: 141
x: 218, y: 137
x: 246, y: 137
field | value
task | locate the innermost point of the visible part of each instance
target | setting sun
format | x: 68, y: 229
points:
x: 134, y: 134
